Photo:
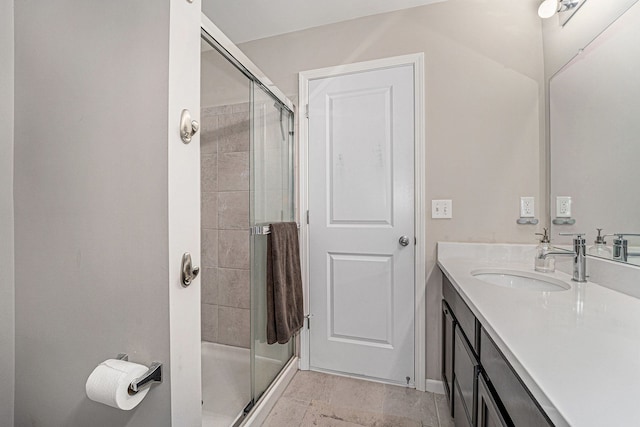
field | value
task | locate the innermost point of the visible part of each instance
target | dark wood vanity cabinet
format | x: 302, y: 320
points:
x: 489, y: 414
x: 448, y: 329
x: 460, y: 362
x: 482, y: 388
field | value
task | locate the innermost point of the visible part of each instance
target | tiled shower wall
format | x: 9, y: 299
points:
x: 224, y: 190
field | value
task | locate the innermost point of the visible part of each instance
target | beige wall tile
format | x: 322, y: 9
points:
x: 209, y: 210
x: 209, y: 173
x: 209, y: 285
x: 240, y: 108
x: 209, y: 248
x: 234, y: 288
x: 234, y: 326
x: 233, y: 210
x: 233, y: 249
x: 210, y: 134
x: 233, y: 171
x: 209, y: 322
x: 235, y: 131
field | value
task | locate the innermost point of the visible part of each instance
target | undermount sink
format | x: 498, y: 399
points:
x: 520, y: 280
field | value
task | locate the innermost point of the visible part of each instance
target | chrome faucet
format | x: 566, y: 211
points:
x: 621, y: 246
x: 579, y: 256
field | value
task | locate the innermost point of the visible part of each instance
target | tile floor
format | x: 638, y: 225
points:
x: 322, y: 400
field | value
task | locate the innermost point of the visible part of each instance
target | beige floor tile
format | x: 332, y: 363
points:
x: 309, y: 385
x: 444, y: 414
x: 286, y: 412
x: 359, y: 394
x: 410, y: 403
x: 324, y: 414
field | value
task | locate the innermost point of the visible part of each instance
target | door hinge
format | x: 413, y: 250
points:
x: 306, y: 110
x: 308, y: 317
x: 307, y: 217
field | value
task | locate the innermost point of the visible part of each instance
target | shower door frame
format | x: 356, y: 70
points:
x: 417, y: 61
x: 264, y: 404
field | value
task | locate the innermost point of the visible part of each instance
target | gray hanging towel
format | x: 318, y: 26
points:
x: 285, y: 311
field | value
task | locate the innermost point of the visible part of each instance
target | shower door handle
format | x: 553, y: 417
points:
x: 188, y: 272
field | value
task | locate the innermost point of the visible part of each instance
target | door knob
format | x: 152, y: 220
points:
x: 404, y: 240
x: 188, y: 272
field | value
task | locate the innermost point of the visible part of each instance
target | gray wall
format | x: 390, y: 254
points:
x: 91, y: 204
x: 7, y: 343
x: 484, y: 122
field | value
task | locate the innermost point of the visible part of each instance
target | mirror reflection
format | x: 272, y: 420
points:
x: 595, y: 143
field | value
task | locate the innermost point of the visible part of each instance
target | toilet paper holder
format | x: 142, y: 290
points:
x: 152, y: 376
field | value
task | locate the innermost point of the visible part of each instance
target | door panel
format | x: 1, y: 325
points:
x: 361, y: 200
x: 361, y: 290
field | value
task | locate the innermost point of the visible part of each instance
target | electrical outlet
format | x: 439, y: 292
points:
x: 527, y: 207
x: 563, y: 207
x: 441, y: 209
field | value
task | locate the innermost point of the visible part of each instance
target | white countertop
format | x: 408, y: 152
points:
x: 578, y: 351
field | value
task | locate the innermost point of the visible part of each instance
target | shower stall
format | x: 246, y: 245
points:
x: 247, y: 177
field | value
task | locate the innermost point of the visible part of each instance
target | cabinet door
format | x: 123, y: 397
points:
x: 465, y: 374
x: 448, y: 326
x: 460, y: 415
x: 488, y: 412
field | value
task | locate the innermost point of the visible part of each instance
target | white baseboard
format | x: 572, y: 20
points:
x: 259, y: 414
x: 435, y: 386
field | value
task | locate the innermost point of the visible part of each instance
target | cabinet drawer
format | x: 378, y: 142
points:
x: 461, y: 312
x: 520, y: 406
x: 466, y: 374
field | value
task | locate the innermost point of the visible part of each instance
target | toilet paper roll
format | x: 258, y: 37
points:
x: 109, y: 384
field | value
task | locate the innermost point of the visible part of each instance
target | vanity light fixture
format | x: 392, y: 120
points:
x: 548, y: 8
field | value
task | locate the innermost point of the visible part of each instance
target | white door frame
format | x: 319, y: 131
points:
x: 184, y: 214
x: 417, y: 61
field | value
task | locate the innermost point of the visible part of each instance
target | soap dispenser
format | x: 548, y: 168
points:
x: 542, y: 263
x: 600, y: 248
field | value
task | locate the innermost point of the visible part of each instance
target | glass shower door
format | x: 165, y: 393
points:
x: 271, y: 200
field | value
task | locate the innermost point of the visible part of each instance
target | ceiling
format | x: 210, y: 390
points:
x: 246, y: 20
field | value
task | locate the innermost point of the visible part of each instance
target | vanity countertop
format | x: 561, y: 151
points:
x: 578, y: 351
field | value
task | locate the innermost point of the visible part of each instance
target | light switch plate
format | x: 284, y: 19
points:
x: 441, y: 209
x: 563, y: 207
x: 527, y: 207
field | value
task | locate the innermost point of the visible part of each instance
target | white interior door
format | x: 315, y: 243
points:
x: 361, y: 202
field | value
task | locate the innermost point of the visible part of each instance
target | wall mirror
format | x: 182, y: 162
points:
x: 595, y: 138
